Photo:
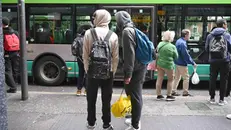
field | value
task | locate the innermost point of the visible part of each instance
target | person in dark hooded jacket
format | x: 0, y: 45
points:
x: 219, y: 65
x: 11, y: 59
x: 134, y: 71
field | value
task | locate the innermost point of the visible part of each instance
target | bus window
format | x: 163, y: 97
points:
x: 50, y: 25
x: 83, y: 15
x: 195, y: 25
x: 169, y: 19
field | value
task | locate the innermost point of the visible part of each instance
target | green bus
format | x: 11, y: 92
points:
x: 50, y: 61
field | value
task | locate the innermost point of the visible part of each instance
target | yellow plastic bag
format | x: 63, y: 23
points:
x: 121, y: 106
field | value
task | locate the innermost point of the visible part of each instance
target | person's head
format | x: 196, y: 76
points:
x: 168, y: 36
x: 5, y: 22
x: 221, y: 23
x: 82, y: 29
x: 185, y: 33
x: 101, y: 18
x: 122, y: 18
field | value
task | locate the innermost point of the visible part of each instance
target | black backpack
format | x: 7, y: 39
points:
x: 218, y: 48
x: 77, y: 46
x: 100, y: 57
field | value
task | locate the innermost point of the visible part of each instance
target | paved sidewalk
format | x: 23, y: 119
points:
x: 58, y: 108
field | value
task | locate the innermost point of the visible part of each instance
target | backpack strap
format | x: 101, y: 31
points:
x: 94, y: 34
x: 108, y: 35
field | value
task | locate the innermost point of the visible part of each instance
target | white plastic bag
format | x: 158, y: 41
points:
x: 195, y: 77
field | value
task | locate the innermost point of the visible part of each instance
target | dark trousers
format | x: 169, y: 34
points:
x: 11, y: 69
x: 81, y: 78
x: 134, y: 89
x: 229, y: 85
x: 106, y: 95
x: 215, y: 69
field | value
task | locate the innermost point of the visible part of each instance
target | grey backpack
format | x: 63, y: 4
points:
x: 100, y: 57
x: 218, y: 48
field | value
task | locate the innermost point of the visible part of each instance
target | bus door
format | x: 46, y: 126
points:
x: 143, y: 18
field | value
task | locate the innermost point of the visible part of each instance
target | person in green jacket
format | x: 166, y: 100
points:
x: 167, y: 53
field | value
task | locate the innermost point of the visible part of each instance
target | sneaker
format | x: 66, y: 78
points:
x: 132, y: 128
x: 212, y: 101
x: 128, y: 121
x: 78, y: 93
x: 175, y: 94
x: 11, y: 90
x: 128, y: 115
x: 89, y: 127
x: 222, y: 102
x: 160, y: 97
x: 110, y: 127
x: 170, y: 98
x: 228, y: 116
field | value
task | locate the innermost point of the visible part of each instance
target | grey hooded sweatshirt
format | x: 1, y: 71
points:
x: 125, y: 24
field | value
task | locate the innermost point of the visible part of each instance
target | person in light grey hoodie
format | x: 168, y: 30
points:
x: 101, y: 20
x: 134, y: 71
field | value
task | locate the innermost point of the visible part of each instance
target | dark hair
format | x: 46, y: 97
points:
x: 83, y: 28
x: 221, y: 22
x: 5, y: 21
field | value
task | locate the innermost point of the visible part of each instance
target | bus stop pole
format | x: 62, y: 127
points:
x: 3, y: 98
x: 23, y: 59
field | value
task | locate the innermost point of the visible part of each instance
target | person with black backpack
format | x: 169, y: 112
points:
x: 11, y: 55
x: 77, y: 50
x: 218, y: 45
x: 100, y: 58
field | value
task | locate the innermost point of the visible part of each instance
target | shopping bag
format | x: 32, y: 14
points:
x: 152, y: 66
x: 195, y: 78
x: 121, y: 106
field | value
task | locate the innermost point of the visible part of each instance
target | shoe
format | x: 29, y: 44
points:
x: 160, y: 97
x: 228, y: 116
x: 11, y: 90
x: 175, y: 94
x: 128, y: 115
x: 128, y: 121
x: 89, y: 127
x: 78, y: 93
x: 110, y: 127
x: 186, y: 94
x: 222, y: 102
x: 132, y: 128
x: 170, y: 98
x: 212, y: 101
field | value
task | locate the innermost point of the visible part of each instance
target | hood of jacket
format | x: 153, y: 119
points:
x: 218, y: 31
x: 123, y: 19
x: 101, y: 18
x: 8, y: 30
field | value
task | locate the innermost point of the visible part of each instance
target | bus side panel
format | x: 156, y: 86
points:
x: 29, y: 67
x: 74, y: 71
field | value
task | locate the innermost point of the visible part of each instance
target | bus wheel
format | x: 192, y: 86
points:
x: 48, y: 71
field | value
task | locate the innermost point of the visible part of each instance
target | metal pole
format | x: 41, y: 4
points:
x: 23, y: 59
x: 3, y: 102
